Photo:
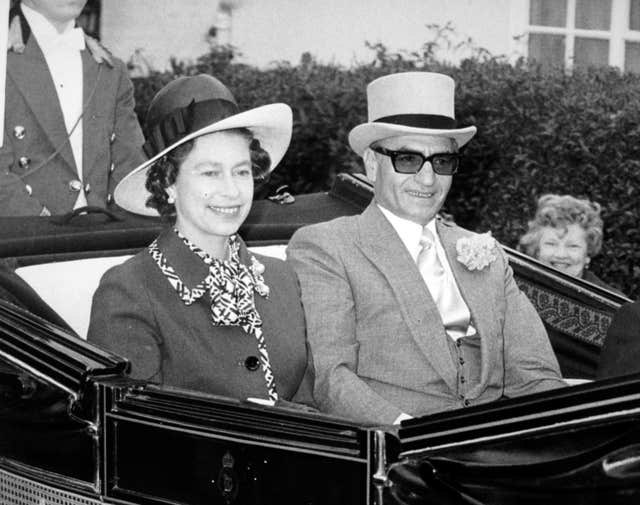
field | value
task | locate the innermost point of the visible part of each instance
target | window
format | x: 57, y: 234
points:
x: 583, y: 33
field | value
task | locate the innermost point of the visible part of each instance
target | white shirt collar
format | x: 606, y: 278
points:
x: 41, y: 27
x: 408, y: 231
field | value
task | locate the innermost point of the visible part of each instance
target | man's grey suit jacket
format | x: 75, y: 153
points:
x: 378, y: 341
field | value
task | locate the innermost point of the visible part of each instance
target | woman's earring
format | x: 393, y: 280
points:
x: 171, y: 199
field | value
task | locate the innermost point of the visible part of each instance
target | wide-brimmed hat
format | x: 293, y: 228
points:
x: 409, y: 103
x: 189, y: 107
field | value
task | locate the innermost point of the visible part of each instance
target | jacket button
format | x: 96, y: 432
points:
x: 29, y: 189
x: 112, y: 168
x: 462, y: 380
x: 252, y: 363
x: 109, y: 198
x: 24, y: 161
x: 461, y: 360
x: 467, y: 403
x: 87, y: 188
x: 75, y: 185
x: 112, y: 138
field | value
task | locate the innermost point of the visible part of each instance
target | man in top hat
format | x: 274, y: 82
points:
x: 70, y: 129
x: 408, y: 314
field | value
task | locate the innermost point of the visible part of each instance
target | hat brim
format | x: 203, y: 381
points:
x: 362, y: 136
x: 270, y: 124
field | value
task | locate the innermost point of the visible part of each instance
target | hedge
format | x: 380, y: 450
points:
x: 538, y: 132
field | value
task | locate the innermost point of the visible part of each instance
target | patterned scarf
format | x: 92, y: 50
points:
x: 230, y: 285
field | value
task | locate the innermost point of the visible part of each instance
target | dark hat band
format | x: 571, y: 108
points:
x: 433, y: 121
x: 181, y: 122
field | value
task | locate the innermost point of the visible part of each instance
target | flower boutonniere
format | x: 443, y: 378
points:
x: 257, y: 269
x: 476, y: 252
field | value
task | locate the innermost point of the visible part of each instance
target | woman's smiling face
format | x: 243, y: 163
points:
x: 213, y: 191
x: 564, y: 248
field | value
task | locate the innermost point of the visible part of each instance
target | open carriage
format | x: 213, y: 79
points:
x: 74, y: 429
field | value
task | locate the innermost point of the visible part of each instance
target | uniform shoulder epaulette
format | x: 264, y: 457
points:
x: 100, y: 53
x: 16, y: 38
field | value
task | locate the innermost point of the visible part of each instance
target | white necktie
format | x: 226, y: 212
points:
x: 429, y: 264
x: 443, y: 288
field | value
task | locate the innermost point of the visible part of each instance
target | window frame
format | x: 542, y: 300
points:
x: 617, y: 36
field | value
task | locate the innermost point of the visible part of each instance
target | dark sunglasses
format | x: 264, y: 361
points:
x: 409, y: 162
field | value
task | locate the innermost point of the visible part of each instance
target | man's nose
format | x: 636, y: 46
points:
x: 426, y: 175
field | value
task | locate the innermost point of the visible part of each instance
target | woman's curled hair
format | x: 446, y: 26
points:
x: 164, y: 172
x: 560, y: 211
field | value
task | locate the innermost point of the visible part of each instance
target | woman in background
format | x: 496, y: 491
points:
x: 197, y: 309
x: 565, y: 233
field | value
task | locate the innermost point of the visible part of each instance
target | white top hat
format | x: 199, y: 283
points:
x: 409, y: 103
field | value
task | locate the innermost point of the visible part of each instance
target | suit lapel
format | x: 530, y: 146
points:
x: 91, y: 118
x: 379, y: 241
x: 30, y: 73
x: 473, y: 287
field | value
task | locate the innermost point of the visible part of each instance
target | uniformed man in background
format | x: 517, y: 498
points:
x: 70, y: 130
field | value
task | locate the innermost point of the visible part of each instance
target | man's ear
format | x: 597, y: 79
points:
x: 370, y: 164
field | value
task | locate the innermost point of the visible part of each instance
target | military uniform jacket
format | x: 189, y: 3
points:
x: 31, y: 176
x: 138, y: 314
x: 379, y: 344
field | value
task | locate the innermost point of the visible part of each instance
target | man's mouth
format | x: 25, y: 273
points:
x: 421, y: 194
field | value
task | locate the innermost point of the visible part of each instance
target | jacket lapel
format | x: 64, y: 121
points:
x: 379, y: 241
x: 189, y: 267
x: 91, y: 118
x: 474, y: 287
x: 30, y: 73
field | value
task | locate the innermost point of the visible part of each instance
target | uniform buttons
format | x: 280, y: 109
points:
x: 24, y: 161
x: 87, y: 188
x: 29, y: 189
x: 19, y: 132
x: 467, y: 403
x: 463, y: 380
x: 458, y: 343
x: 112, y: 168
x: 109, y: 198
x: 461, y: 360
x: 112, y: 139
x: 252, y: 363
x: 75, y: 185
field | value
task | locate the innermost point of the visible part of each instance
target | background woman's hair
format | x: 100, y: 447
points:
x: 164, y: 172
x: 560, y: 211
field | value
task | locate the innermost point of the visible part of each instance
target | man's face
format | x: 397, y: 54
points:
x: 57, y: 11
x: 416, y: 197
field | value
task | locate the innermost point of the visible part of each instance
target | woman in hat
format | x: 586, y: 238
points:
x: 197, y: 309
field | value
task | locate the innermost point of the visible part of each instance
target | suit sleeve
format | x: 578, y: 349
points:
x: 530, y: 363
x: 127, y: 151
x: 331, y: 327
x: 621, y: 349
x: 123, y: 322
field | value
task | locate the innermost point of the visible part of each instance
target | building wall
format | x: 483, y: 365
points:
x: 275, y: 30
x: 336, y: 30
x: 161, y: 28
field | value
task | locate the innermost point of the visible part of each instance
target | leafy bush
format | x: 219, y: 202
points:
x: 538, y: 132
